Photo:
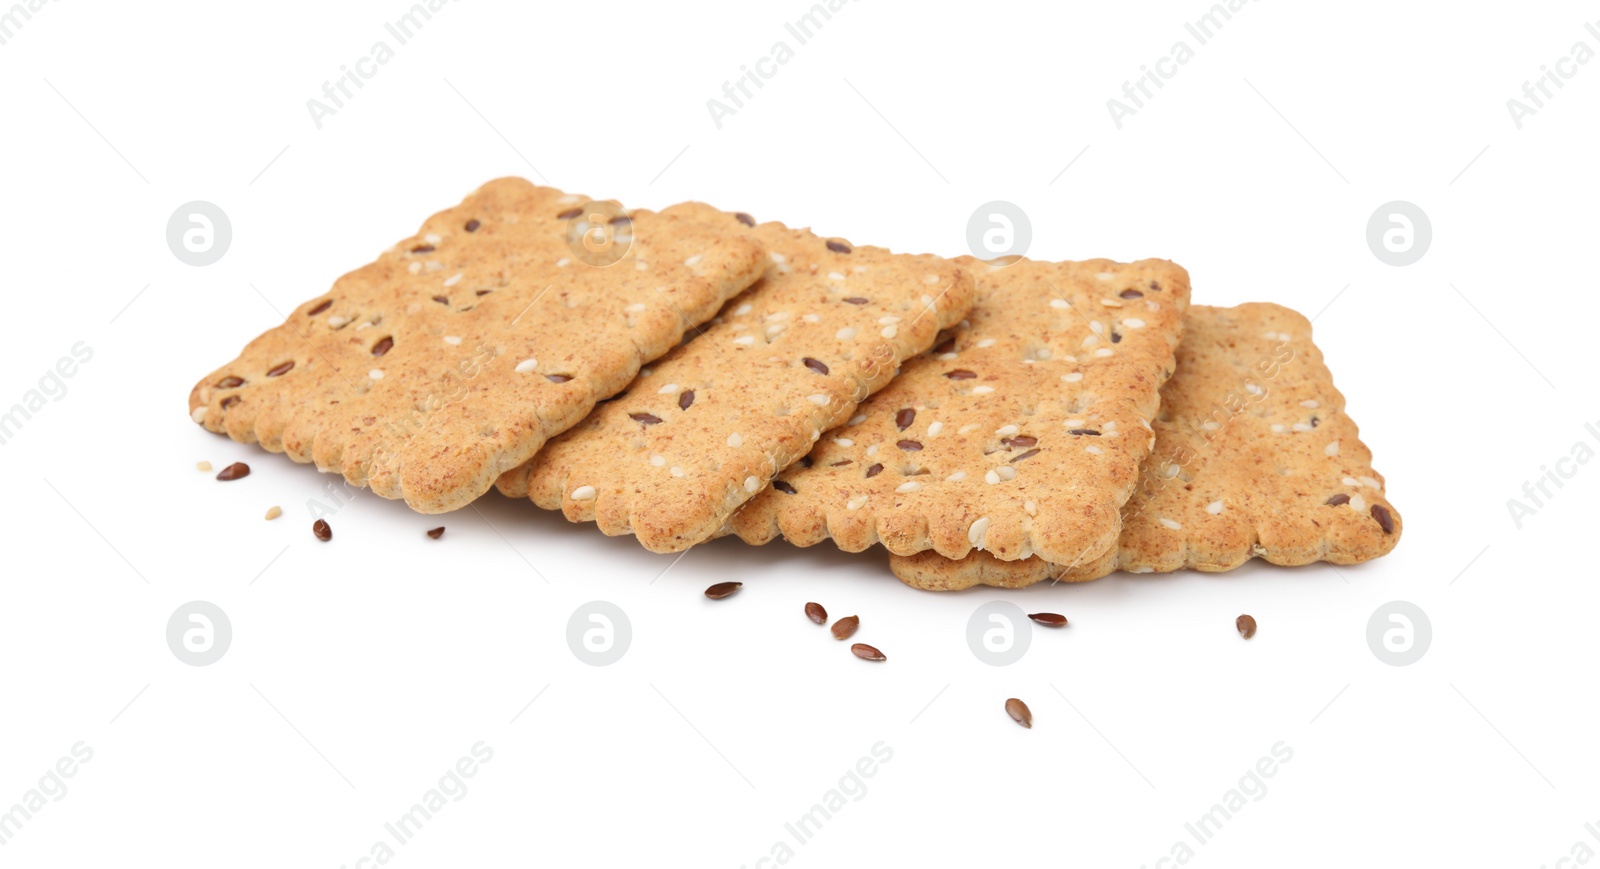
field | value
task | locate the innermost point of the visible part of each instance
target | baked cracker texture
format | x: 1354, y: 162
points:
x: 461, y: 350
x: 1255, y: 457
x: 1021, y: 434
x: 716, y: 419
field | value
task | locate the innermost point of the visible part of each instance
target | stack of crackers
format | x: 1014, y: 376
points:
x: 691, y: 373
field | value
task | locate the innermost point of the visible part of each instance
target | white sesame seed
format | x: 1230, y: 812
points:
x: 1103, y: 352
x: 1279, y: 428
x: 890, y: 331
x: 414, y: 268
x: 1300, y: 426
x: 1173, y: 471
x: 911, y: 486
x: 969, y: 428
x: 1369, y: 482
x: 433, y: 238
x: 1105, y: 276
x: 1060, y: 304
x: 1210, y: 425
x: 1214, y: 507
x: 453, y: 340
x: 568, y: 199
x: 1092, y: 450
x: 583, y: 493
x: 776, y: 315
x: 930, y: 279
x: 563, y: 262
x: 982, y: 390
x: 634, y: 308
x: 1075, y: 423
x: 642, y: 266
x: 956, y: 477
x: 434, y: 267
x: 668, y: 389
x: 1332, y: 449
x: 1349, y: 481
x: 1006, y: 472
x: 1252, y: 388
x: 1311, y: 403
x: 527, y: 365
x: 934, y: 428
x: 773, y: 330
x: 658, y: 460
x: 752, y: 484
x: 376, y: 374
x: 818, y: 399
x: 336, y: 322
x: 856, y: 503
x: 198, y: 414
x: 676, y: 471
x: 694, y: 260
x: 778, y: 257
x: 1097, y: 327
x: 1111, y: 303
x: 1006, y: 431
x: 857, y: 419
x: 846, y: 333
x: 991, y: 477
x: 888, y: 321
x: 1030, y: 508
x: 1168, y: 523
x: 745, y: 339
x: 1133, y: 323
x: 1042, y: 353
x: 987, y: 342
x: 835, y: 276
x: 978, y: 531
x: 736, y: 440
x: 872, y: 450
x: 453, y: 280
x: 1357, y: 503
x: 742, y: 310
x: 844, y: 442
x: 811, y: 318
x: 947, y: 356
x: 1074, y: 377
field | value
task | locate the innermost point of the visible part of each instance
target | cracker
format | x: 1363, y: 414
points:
x: 456, y: 354
x: 1252, y: 442
x: 716, y: 419
x: 1022, y: 434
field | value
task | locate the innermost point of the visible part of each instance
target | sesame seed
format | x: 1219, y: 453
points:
x: 752, y: 484
x: 414, y: 268
x: 844, y: 442
x: 1030, y: 508
x: 669, y: 389
x: 527, y: 365
x: 1349, y: 481
x: 1369, y: 482
x: 1060, y: 304
x: 818, y: 399
x: 1103, y: 352
x: 948, y: 356
x: 1252, y: 388
x: 835, y: 276
x: 1111, y: 303
x: 857, y: 419
x: 1311, y: 403
x: 1105, y: 276
x: 1173, y: 470
x: 991, y: 478
x: 978, y: 531
x: 872, y: 450
x: 658, y: 460
x: 1076, y: 423
x: 934, y: 428
x: 856, y: 503
x: 642, y: 266
x: 1300, y: 426
x: 773, y: 330
x: 987, y: 342
x: 930, y: 279
x: 376, y: 374
x: 888, y: 321
x: 778, y: 257
x: 956, y: 477
x: 634, y: 308
x: 338, y: 322
x: 676, y: 471
x: 846, y: 333
x: 1042, y: 353
x: 1214, y: 507
x: 1357, y: 504
x: 969, y: 428
x: 1093, y: 450
x: 1168, y: 523
x: 198, y: 414
x: 274, y: 512
x: 583, y: 493
x: 1006, y: 431
x: 1133, y: 323
x: 452, y: 340
x: 912, y: 486
x: 890, y: 331
x: 745, y: 339
x: 563, y: 263
x: 1097, y: 327
x: 742, y: 310
x: 982, y: 390
x: 1279, y: 428
x: 202, y: 466
x: 694, y: 260
x: 735, y: 440
x: 453, y: 280
x: 1210, y: 425
x: 811, y: 318
x: 1332, y: 449
x: 433, y: 238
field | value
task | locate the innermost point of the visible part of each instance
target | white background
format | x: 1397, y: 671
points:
x: 360, y: 670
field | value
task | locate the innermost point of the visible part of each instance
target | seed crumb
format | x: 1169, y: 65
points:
x: 202, y: 466
x: 274, y: 512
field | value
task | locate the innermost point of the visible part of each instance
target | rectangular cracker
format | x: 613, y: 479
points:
x: 1252, y: 442
x: 454, y: 356
x: 716, y: 419
x: 1022, y: 434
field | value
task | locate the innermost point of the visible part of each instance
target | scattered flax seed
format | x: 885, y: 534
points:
x: 1246, y: 625
x: 436, y: 533
x: 1054, y: 620
x: 867, y: 653
x: 235, y: 471
x: 845, y: 628
x: 816, y: 613
x: 722, y: 590
x: 202, y: 466
x: 321, y: 530
x: 274, y: 512
x: 1019, y: 712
